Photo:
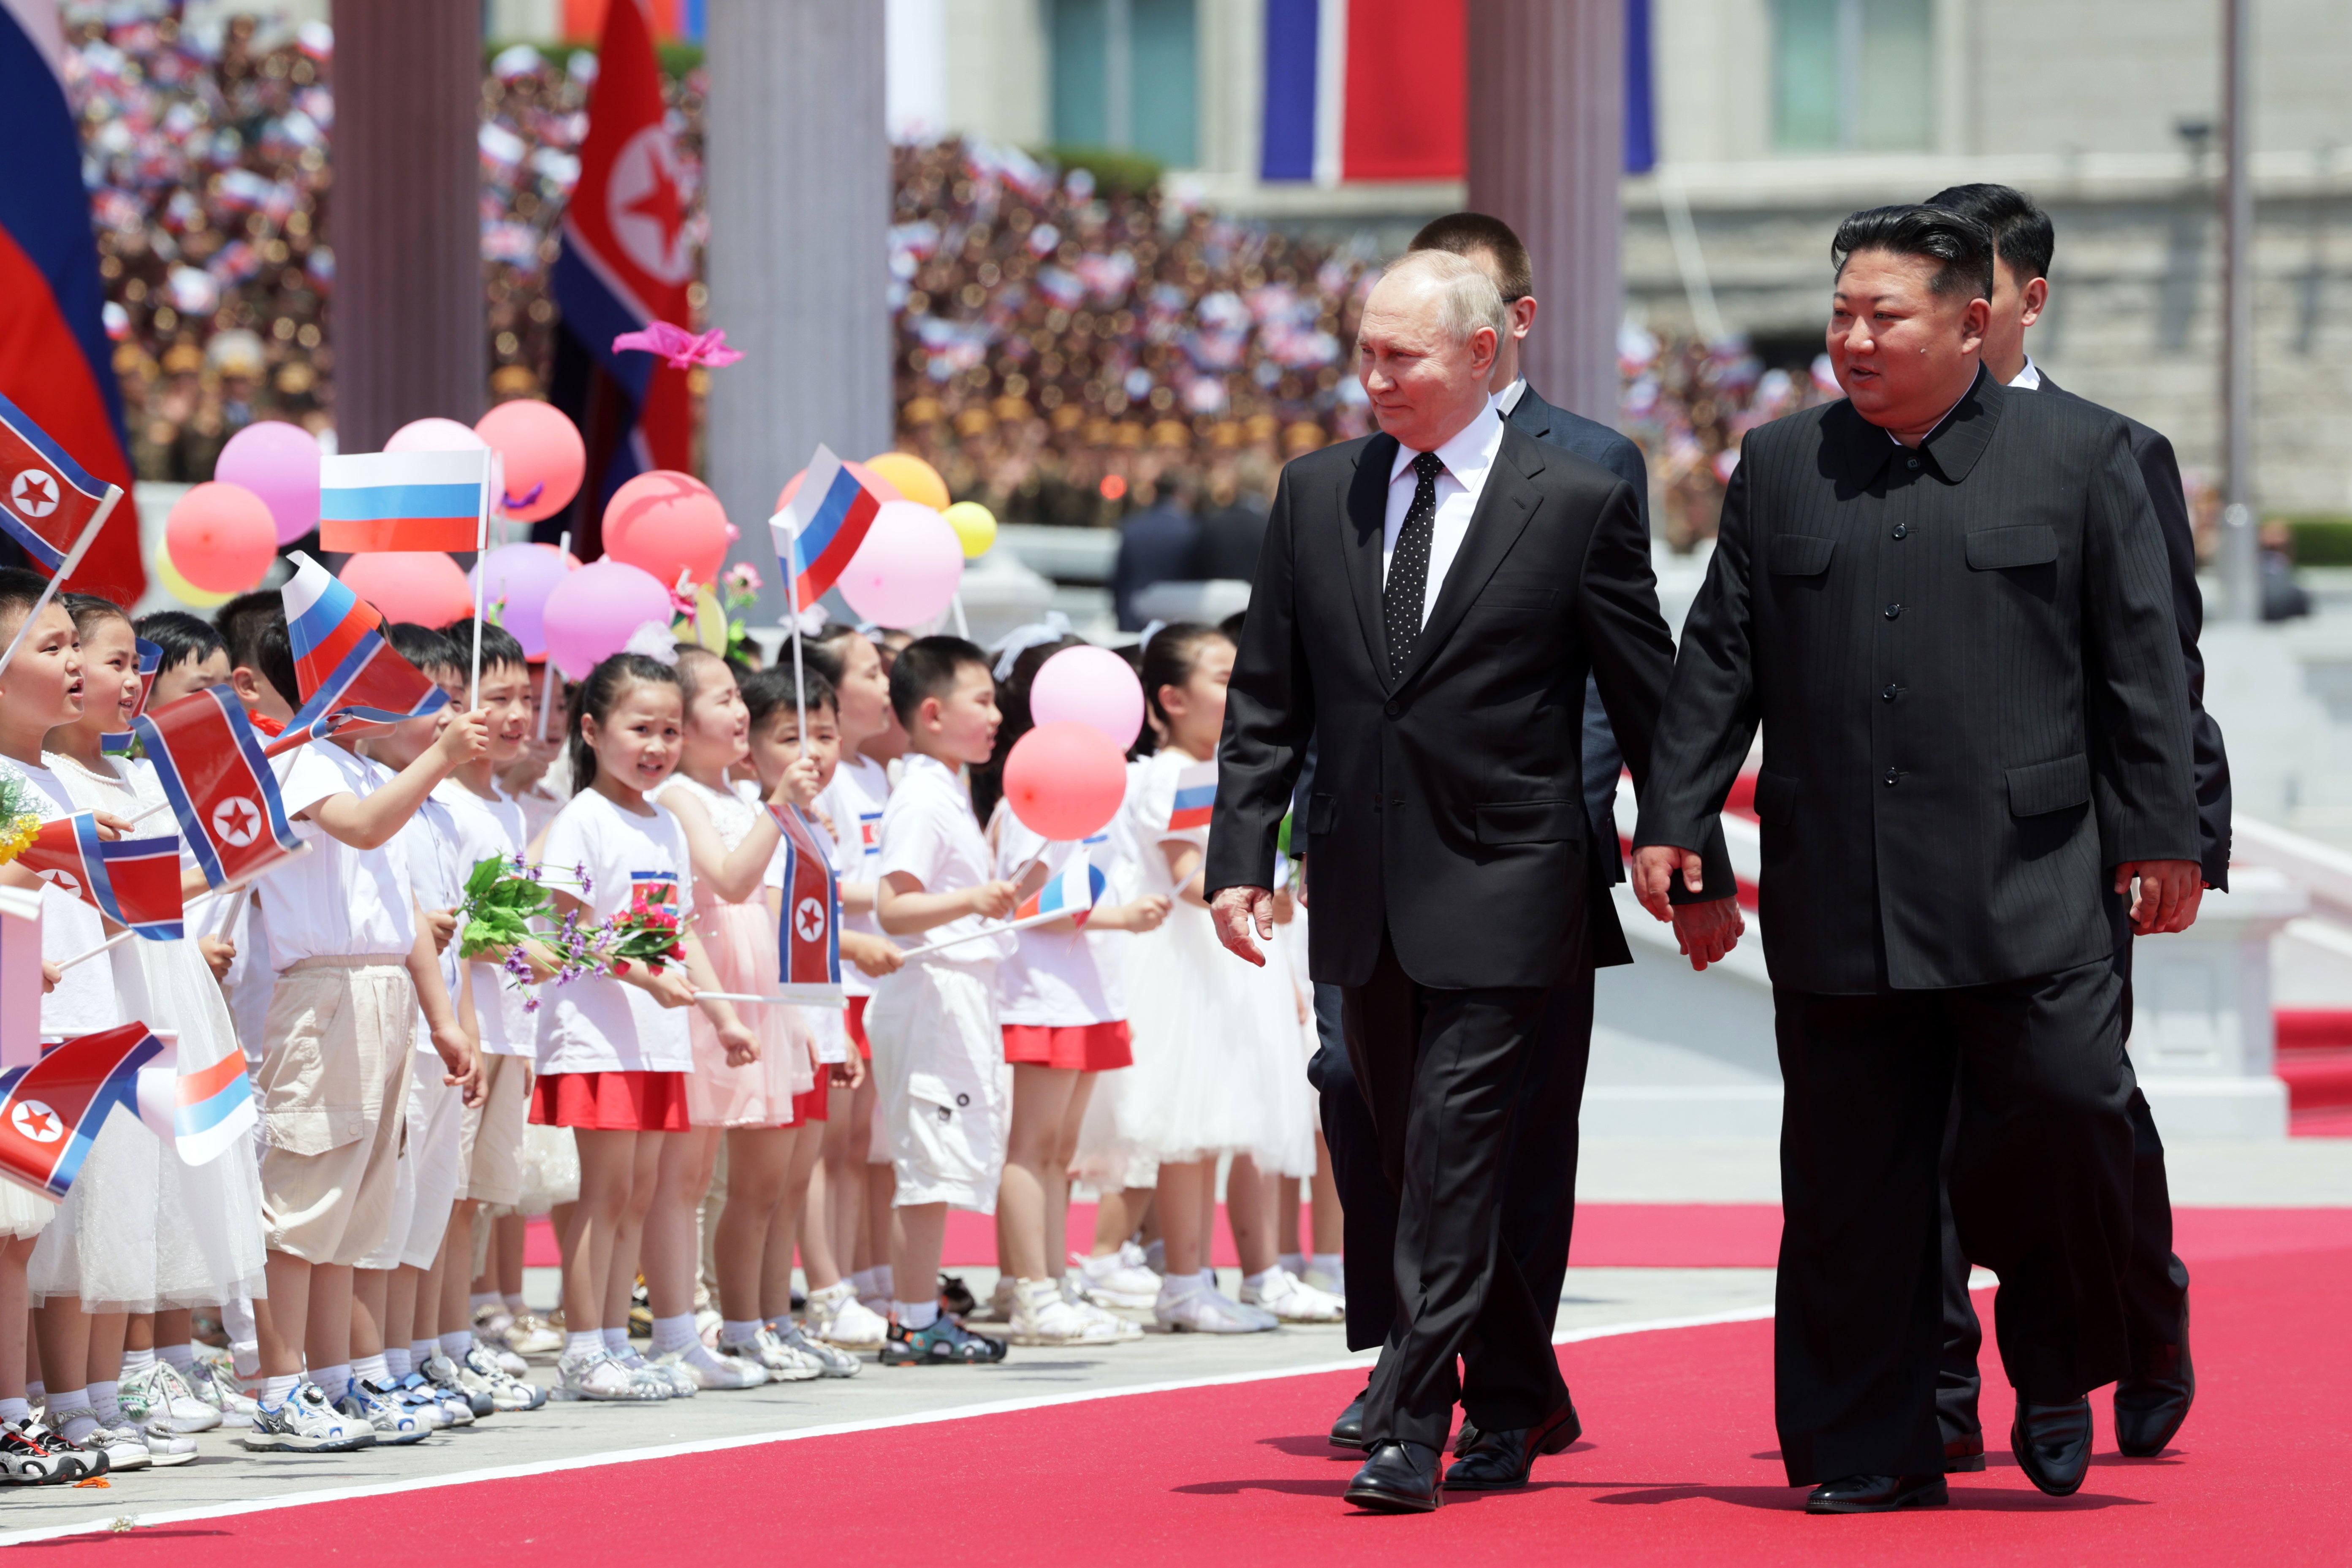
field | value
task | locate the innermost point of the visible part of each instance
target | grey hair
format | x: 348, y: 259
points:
x: 1467, y: 298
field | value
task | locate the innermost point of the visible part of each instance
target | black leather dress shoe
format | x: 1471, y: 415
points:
x: 1467, y: 1439
x: 1502, y: 1460
x: 2053, y: 1443
x: 1399, y: 1478
x: 1877, y: 1494
x: 1964, y: 1454
x: 1348, y: 1432
x: 2152, y: 1402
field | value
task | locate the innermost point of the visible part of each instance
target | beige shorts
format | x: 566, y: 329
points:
x: 495, y: 1130
x: 943, y: 1092
x: 333, y: 1088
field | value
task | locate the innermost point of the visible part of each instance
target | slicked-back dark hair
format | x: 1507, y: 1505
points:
x: 2021, y: 233
x: 184, y: 638
x: 427, y: 649
x: 1960, y: 243
x: 927, y: 667
x: 1468, y: 234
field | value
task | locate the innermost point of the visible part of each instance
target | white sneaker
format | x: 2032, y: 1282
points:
x: 783, y: 1362
x: 126, y: 1447
x: 833, y: 1360
x: 1332, y: 1284
x: 304, y: 1423
x: 484, y: 1372
x: 837, y: 1317
x: 1114, y: 1281
x: 219, y: 1389
x: 1252, y: 1311
x: 529, y: 1334
x: 1201, y: 1311
x: 450, y: 1378
x: 1040, y: 1317
x: 1073, y: 1292
x: 599, y: 1374
x: 391, y: 1418
x: 157, y: 1392
x: 1002, y: 1301
x: 709, y: 1370
x: 1292, y: 1300
x: 681, y: 1384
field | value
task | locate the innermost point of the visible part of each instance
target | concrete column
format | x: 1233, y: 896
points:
x: 1546, y: 146
x: 404, y: 219
x: 799, y: 174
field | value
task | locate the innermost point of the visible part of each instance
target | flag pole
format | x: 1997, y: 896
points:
x: 493, y: 474
x: 547, y: 676
x: 117, y: 939
x: 1048, y: 917
x: 792, y: 630
x: 65, y: 569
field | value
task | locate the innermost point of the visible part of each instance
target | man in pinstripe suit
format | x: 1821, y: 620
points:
x: 1948, y: 606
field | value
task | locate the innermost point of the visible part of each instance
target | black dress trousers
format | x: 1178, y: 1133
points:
x: 2041, y: 1186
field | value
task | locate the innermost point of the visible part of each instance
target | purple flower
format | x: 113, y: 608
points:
x: 530, y: 1005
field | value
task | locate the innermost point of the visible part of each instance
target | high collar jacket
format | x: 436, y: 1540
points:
x: 1447, y: 806
x: 1964, y: 661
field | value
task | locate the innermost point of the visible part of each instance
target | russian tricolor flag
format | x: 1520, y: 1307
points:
x: 822, y: 527
x: 1072, y: 891
x: 1196, y: 797
x: 350, y: 678
x: 199, y: 1111
x: 404, y: 501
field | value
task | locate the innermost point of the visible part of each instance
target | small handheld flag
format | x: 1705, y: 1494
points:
x: 133, y: 882
x: 46, y: 500
x: 1071, y: 892
x: 808, y: 955
x: 351, y: 677
x: 1196, y: 796
x: 201, y: 1112
x: 822, y: 527
x: 150, y: 661
x: 402, y: 500
x: 50, y: 1113
x: 211, y: 766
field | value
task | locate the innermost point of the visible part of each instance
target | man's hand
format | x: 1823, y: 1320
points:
x: 1235, y: 909
x: 1654, y: 866
x: 2168, y: 897
x: 1709, y: 930
x: 465, y: 1065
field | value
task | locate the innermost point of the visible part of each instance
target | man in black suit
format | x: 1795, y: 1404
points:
x: 1542, y: 1185
x: 1427, y: 606
x: 1155, y: 545
x: 1947, y: 605
x: 2153, y: 1398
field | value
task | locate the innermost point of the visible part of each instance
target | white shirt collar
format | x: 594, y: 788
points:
x: 1508, y: 398
x: 1468, y: 454
x: 2029, y: 377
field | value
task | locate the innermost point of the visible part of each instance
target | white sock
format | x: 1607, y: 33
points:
x: 245, y: 1357
x: 731, y: 1333
x: 375, y: 1369
x: 1294, y: 1261
x: 16, y: 1412
x: 884, y: 1285
x: 70, y: 1414
x: 1255, y: 1281
x: 580, y: 1342
x: 455, y: 1345
x: 137, y: 1361
x: 275, y: 1390
x: 422, y: 1350
x: 34, y: 1391
x: 618, y: 1340
x: 105, y: 1397
x: 674, y: 1333
x: 399, y: 1363
x: 1180, y: 1287
x: 335, y: 1380
x: 183, y: 1357
x: 916, y: 1316
x: 1333, y: 1264
x: 1155, y: 1258
x: 515, y: 1304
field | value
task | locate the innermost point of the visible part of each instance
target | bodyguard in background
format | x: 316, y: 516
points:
x: 1948, y: 606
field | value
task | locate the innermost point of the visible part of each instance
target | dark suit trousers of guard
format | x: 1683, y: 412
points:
x: 2041, y: 1186
x: 1446, y: 1077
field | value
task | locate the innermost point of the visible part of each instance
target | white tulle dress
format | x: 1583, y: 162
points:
x: 141, y: 1231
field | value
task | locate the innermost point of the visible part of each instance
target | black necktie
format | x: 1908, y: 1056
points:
x: 1408, y: 584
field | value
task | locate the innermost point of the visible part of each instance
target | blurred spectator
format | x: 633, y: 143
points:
x: 1232, y: 526
x: 1158, y: 545
x: 2283, y: 598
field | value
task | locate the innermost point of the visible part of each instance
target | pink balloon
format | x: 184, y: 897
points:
x: 666, y: 522
x: 518, y: 578
x: 907, y: 570
x: 593, y: 613
x: 1065, y: 781
x: 221, y: 537
x: 1089, y: 686
x: 279, y: 463
x: 420, y: 586
x: 874, y: 481
x: 544, y: 456
x: 434, y: 436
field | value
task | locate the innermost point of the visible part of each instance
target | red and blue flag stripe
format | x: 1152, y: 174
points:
x: 808, y: 953
x: 51, y: 1111
x: 1072, y: 891
x: 822, y: 527
x: 1196, y: 796
x: 350, y: 678
x: 214, y: 774
x: 402, y: 500
x: 200, y: 1112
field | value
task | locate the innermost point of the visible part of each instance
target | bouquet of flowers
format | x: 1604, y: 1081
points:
x: 19, y: 823
x: 505, y: 901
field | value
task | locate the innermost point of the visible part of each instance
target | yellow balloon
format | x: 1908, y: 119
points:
x: 709, y: 621
x: 180, y: 588
x: 916, y: 479
x: 974, y: 525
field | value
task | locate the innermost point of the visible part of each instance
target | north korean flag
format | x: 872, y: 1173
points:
x: 131, y: 881
x: 48, y: 502
x: 51, y: 1111
x: 808, y: 953
x: 219, y: 785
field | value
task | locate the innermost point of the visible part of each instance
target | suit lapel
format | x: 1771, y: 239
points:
x: 1531, y: 413
x: 1504, y: 508
x: 1361, y: 531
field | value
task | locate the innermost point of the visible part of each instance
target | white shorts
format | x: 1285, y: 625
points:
x: 943, y: 1092
x: 431, y: 1173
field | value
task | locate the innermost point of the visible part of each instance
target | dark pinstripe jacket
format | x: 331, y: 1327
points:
x: 1964, y: 661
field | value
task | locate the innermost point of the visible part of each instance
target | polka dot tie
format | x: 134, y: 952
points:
x: 1408, y: 584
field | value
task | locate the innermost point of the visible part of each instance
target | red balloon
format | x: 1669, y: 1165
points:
x: 1065, y: 781
x: 221, y: 537
x: 665, y: 523
x: 422, y: 586
x: 545, y: 458
x: 872, y: 481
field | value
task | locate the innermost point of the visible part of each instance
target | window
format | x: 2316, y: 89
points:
x: 1852, y: 76
x: 1126, y: 74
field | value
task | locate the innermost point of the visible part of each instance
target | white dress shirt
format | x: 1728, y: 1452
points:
x: 1508, y: 398
x: 1468, y: 458
x: 2029, y: 377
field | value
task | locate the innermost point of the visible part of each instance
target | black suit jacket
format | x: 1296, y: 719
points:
x: 1448, y: 806
x: 2160, y: 471
x: 1596, y: 443
x: 1965, y: 663
x: 1154, y: 546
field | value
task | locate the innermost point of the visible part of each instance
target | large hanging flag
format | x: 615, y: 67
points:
x: 404, y: 501
x: 808, y: 956
x: 50, y: 1113
x: 625, y: 264
x: 57, y: 365
x: 133, y: 882
x: 822, y: 526
x: 1072, y: 891
x: 351, y: 679
x: 199, y: 1112
x: 214, y: 771
x: 150, y: 664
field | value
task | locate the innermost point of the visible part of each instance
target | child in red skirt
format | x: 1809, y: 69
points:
x: 613, y: 1048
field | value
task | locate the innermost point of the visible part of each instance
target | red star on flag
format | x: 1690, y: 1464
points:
x: 661, y: 204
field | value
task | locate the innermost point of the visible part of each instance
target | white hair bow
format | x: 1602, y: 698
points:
x: 1021, y: 639
x: 656, y: 641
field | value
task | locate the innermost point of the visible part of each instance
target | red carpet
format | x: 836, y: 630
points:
x: 1678, y: 1468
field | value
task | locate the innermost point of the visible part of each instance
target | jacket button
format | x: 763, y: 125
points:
x: 1393, y: 708
x: 1893, y: 611
x: 1398, y: 801
x: 1901, y: 529
x: 1912, y: 463
x: 1376, y: 803
x: 1890, y: 693
x: 1890, y: 775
